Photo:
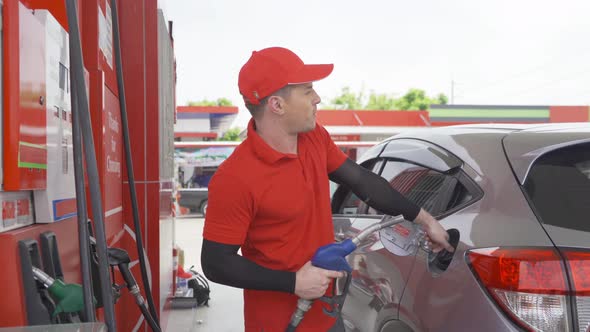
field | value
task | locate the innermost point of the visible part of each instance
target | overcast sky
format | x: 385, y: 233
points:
x: 506, y: 52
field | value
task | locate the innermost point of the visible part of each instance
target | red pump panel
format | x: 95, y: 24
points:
x: 140, y: 45
x: 25, y: 153
x: 12, y: 303
x: 107, y: 134
x: 24, y: 122
x: 97, y: 41
x: 112, y: 145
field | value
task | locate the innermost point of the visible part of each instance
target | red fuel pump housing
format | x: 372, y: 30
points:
x: 149, y: 79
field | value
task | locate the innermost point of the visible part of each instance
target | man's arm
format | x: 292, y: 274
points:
x: 374, y: 190
x: 222, y: 264
x: 378, y: 194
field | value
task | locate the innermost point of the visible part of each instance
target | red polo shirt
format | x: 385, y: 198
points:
x: 277, y: 207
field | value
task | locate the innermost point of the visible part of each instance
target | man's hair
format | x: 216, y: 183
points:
x: 256, y: 110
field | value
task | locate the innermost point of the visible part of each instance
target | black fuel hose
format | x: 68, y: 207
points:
x: 77, y: 76
x: 150, y: 320
x: 120, y: 258
x: 89, y: 314
x: 134, y: 289
x: 129, y: 161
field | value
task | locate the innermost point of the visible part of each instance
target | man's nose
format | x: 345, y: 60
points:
x: 317, y: 99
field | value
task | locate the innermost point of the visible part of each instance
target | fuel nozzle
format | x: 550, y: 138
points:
x: 120, y: 258
x: 69, y: 297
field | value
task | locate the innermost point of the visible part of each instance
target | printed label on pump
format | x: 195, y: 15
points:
x: 16, y: 210
x: 105, y: 34
x: 8, y: 213
x: 112, y: 154
x: 23, y: 211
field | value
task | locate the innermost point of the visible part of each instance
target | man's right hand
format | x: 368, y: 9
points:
x: 312, y: 282
x: 436, y: 235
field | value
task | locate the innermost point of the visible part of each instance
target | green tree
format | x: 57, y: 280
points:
x: 206, y: 102
x: 224, y: 102
x: 347, y: 100
x: 232, y: 134
x: 442, y: 99
x: 414, y: 99
x: 380, y: 102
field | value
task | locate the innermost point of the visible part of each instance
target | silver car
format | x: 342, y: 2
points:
x: 519, y: 196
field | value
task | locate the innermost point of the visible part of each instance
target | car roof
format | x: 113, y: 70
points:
x: 451, y: 131
x: 524, y: 147
x: 522, y: 144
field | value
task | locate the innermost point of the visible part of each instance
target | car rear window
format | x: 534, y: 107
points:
x: 558, y: 187
x: 433, y: 191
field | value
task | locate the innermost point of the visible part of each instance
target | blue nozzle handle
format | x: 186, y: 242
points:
x: 332, y: 256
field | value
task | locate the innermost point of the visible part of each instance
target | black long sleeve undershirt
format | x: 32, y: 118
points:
x: 374, y: 190
x: 222, y: 264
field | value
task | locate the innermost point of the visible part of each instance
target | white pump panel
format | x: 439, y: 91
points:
x: 58, y: 201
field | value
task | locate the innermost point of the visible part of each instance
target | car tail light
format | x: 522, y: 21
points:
x: 579, y: 267
x: 530, y: 285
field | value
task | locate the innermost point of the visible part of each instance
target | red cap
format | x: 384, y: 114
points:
x: 272, y: 68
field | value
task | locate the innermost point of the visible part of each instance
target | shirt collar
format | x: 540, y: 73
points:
x: 262, y: 150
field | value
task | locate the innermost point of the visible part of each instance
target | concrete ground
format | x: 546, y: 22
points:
x: 225, y: 311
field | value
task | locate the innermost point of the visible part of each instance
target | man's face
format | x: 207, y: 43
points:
x: 300, y: 108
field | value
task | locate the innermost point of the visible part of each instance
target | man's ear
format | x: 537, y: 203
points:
x: 276, y: 104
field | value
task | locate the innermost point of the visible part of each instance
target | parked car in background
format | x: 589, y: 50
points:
x: 196, y: 163
x: 520, y: 197
x: 194, y: 199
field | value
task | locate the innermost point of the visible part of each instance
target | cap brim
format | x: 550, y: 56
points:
x: 311, y: 73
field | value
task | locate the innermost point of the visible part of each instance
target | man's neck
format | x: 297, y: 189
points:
x: 275, y: 136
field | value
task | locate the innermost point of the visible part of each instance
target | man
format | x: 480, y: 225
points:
x: 271, y: 197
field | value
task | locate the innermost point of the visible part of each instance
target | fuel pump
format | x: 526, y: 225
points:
x: 114, y: 256
x: 48, y: 95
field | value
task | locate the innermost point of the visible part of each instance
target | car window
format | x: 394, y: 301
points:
x: 421, y: 153
x: 344, y: 201
x: 558, y: 187
x: 438, y: 192
x: 351, y: 204
x: 434, y: 191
